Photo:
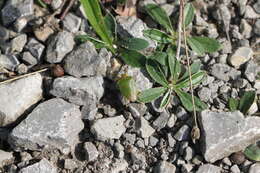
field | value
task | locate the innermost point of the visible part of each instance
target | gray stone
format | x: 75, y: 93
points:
x: 10, y: 62
x: 71, y: 23
x: 250, y: 13
x: 171, y: 140
x: 164, y: 167
x: 253, y: 109
x: 119, y: 150
x: 29, y: 59
x: 257, y: 27
x: 18, y: 97
x: 227, y: 161
x: 181, y: 113
x: 83, y: 91
x: 138, y: 157
x: 171, y: 120
x: 209, y: 168
x: 186, y: 168
x: 15, y: 9
x: 52, y: 124
x: 21, y: 69
x: 91, y: 152
x: 144, y: 127
x: 137, y: 110
x: 220, y: 71
x: 89, y: 111
x: 256, y: 6
x: 70, y: 164
x: 161, y: 121
x: 35, y: 48
x: 188, y: 153
x: 17, y: 43
x: 4, y: 33
x: 255, y: 168
x: 130, y: 138
x: 44, y: 166
x: 235, y: 169
x: 223, y: 14
x: 84, y: 61
x: 109, y: 128
x: 251, y: 70
x: 118, y: 166
x: 240, y: 83
x: 241, y: 56
x: 183, y: 134
x: 153, y: 141
x: 5, y: 157
x: 204, y: 94
x: 59, y: 46
x: 133, y: 27
x: 20, y: 24
x: 56, y: 4
x: 245, y: 28
x: 222, y: 133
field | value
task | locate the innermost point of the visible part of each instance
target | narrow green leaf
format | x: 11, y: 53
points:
x: 195, y: 78
x: 160, y: 57
x: 174, y: 64
x: 127, y: 87
x: 202, y: 45
x: 98, y: 43
x: 194, y: 68
x: 159, y: 15
x: 151, y: 94
x: 133, y: 43
x: 186, y: 101
x: 166, y: 99
x: 93, y: 11
x: 233, y: 104
x: 111, y: 24
x: 156, y: 74
x: 157, y: 35
x: 246, y: 101
x: 189, y: 12
x: 253, y: 152
x: 133, y: 58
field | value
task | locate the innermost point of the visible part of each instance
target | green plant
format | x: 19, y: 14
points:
x: 243, y: 104
x: 253, y: 152
x: 171, y: 77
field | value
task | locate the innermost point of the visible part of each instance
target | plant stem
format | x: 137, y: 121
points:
x: 180, y: 21
x: 196, y: 128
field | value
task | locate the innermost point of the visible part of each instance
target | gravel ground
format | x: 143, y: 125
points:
x: 72, y: 119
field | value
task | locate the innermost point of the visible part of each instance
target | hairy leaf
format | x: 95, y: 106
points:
x: 246, y: 101
x: 189, y: 12
x: 195, y: 78
x: 186, y: 100
x: 133, y: 58
x: 98, y: 43
x: 194, y: 68
x: 151, y: 94
x: 111, y: 25
x: 159, y: 15
x: 202, y: 45
x: 157, y: 35
x: 166, y: 99
x: 160, y: 57
x: 155, y: 72
x: 174, y: 65
x: 133, y: 43
x: 233, y: 104
x: 253, y: 152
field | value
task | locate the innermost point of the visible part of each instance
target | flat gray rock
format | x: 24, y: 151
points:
x: 81, y: 91
x: 144, y: 127
x: 44, y: 166
x: 59, y: 46
x: 224, y: 133
x: 85, y: 61
x: 54, y: 123
x: 109, y: 128
x: 18, y: 96
x: 208, y: 168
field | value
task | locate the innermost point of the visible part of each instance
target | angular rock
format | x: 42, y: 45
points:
x: 70, y: 164
x: 257, y: 27
x: 5, y: 157
x: 226, y: 132
x: 78, y: 91
x: 118, y: 166
x: 44, y: 166
x: 250, y: 13
x: 161, y: 121
x: 91, y: 152
x: 133, y: 27
x: 144, y: 127
x: 85, y: 61
x: 59, y: 46
x: 224, y: 72
x: 241, y: 56
x: 208, y: 168
x: 71, y: 23
x: 164, y: 167
x: 235, y: 169
x: 52, y: 124
x: 10, y: 62
x: 35, y: 48
x: 251, y: 70
x: 137, y: 110
x: 18, y: 97
x: 246, y: 29
x: 204, y: 94
x: 109, y: 128
x: 18, y: 43
x: 183, y: 134
x: 29, y: 59
x: 15, y: 9
x: 254, y: 168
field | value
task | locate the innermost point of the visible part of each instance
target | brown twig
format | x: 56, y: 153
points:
x: 64, y: 13
x: 180, y: 21
x: 23, y: 76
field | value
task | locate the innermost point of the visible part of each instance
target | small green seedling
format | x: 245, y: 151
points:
x: 168, y: 74
x: 200, y: 45
x: 127, y: 87
x: 253, y: 152
x: 243, y: 104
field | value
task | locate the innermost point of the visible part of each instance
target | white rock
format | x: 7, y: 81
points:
x: 4, y: 157
x: 44, y: 166
x: 241, y: 56
x: 145, y: 128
